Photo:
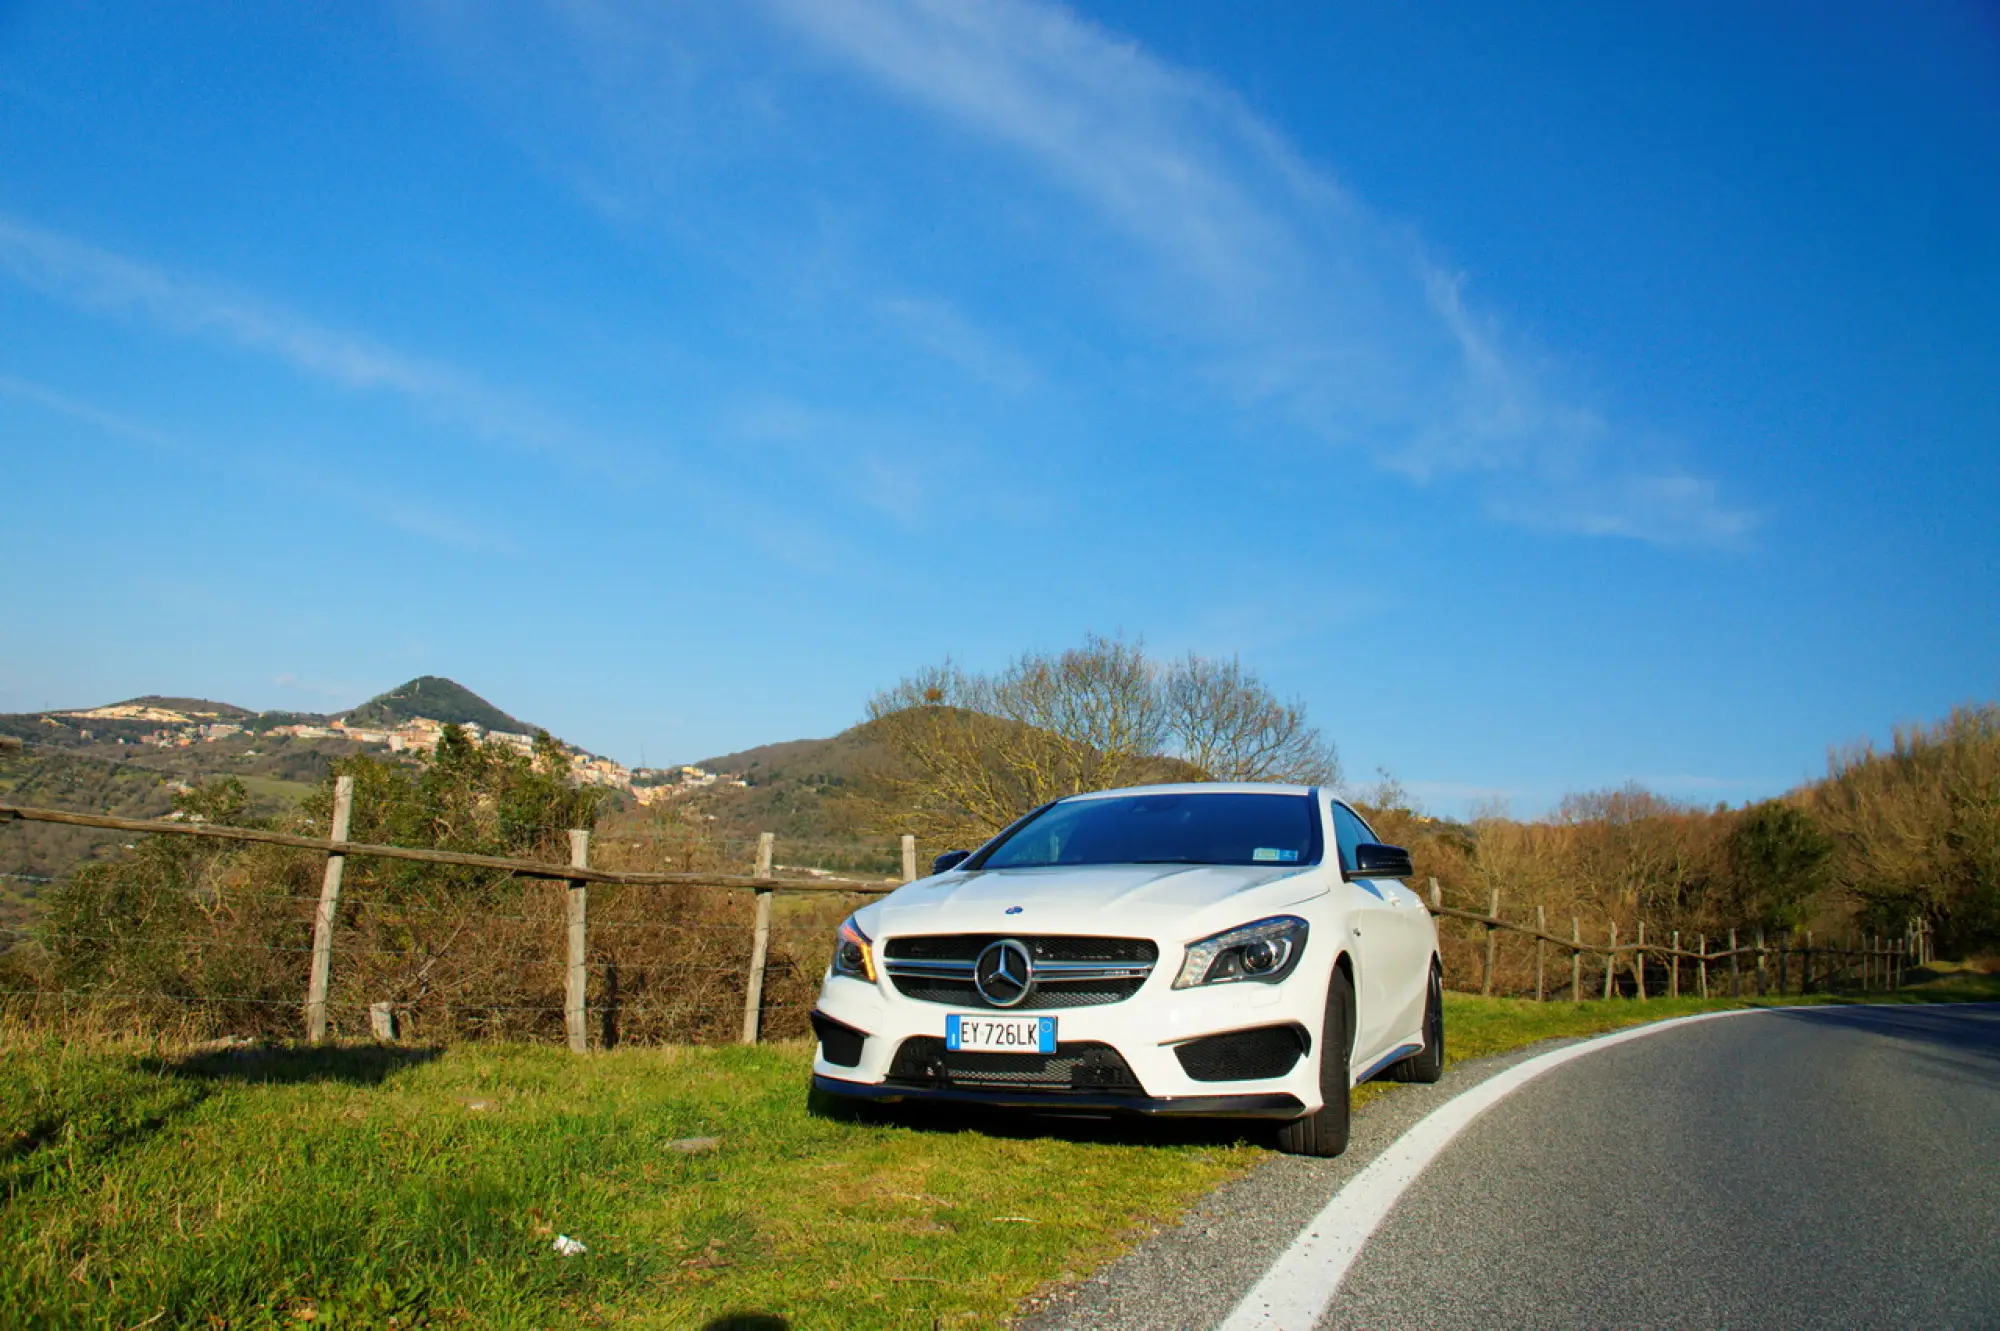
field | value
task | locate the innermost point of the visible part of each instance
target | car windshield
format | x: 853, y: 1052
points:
x: 1183, y: 828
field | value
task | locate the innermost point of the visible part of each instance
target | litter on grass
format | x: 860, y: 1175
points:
x: 568, y: 1246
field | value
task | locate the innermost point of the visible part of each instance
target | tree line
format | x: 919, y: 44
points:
x: 1888, y: 837
x: 181, y: 924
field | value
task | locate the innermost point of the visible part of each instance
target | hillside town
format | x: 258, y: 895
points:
x: 178, y: 729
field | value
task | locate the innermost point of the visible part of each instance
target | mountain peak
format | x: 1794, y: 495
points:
x: 438, y: 698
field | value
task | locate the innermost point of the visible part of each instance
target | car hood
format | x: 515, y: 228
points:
x: 1124, y: 897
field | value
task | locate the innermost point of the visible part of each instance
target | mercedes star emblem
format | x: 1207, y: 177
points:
x: 1004, y: 974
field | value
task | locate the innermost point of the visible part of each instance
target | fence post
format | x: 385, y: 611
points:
x: 1541, y: 927
x: 1805, y: 965
x: 329, y: 906
x: 1763, y: 983
x: 1611, y: 960
x: 1492, y: 913
x: 1703, y: 973
x: 1784, y: 947
x: 1674, y: 979
x: 1735, y: 975
x: 909, y: 858
x: 1575, y: 960
x: 1437, y: 896
x: 760, y: 938
x: 1639, y: 963
x: 575, y: 910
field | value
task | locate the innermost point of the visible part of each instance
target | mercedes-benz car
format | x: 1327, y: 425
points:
x: 1230, y: 951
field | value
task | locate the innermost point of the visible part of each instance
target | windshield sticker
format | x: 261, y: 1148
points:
x: 1272, y: 855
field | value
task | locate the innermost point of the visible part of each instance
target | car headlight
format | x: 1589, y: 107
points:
x: 854, y: 952
x: 1264, y: 950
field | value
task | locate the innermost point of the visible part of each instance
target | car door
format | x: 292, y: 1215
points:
x: 1393, y: 954
x: 1374, y: 928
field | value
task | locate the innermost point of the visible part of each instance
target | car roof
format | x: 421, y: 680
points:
x: 1197, y: 788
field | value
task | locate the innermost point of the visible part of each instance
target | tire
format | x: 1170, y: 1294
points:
x: 1427, y: 1065
x: 1324, y: 1132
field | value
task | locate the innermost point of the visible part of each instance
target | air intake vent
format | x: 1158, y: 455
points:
x: 1081, y: 1065
x: 840, y: 1044
x: 1253, y: 1055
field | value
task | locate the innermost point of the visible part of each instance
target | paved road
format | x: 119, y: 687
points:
x: 1825, y: 1167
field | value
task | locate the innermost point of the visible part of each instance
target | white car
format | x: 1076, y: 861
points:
x: 1236, y: 951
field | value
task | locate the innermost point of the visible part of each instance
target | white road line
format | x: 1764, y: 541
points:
x: 1294, y: 1293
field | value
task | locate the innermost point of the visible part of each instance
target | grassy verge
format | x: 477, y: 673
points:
x: 373, y: 1187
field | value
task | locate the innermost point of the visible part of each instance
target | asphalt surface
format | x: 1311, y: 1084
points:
x: 1826, y: 1167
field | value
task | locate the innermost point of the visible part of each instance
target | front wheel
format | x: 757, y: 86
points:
x: 1324, y: 1132
x: 1427, y: 1065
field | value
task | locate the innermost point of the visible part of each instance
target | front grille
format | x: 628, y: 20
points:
x: 1267, y: 1051
x: 1081, y: 1065
x: 1071, y: 971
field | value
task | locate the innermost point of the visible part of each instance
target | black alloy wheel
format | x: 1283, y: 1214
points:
x: 1427, y: 1065
x: 1324, y: 1132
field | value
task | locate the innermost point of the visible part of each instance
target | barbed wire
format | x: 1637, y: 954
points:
x: 374, y: 909
x: 447, y: 1005
x: 414, y: 955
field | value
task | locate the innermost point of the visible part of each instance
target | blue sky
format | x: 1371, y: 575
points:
x: 1549, y: 396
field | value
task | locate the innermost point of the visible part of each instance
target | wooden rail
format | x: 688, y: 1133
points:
x: 523, y: 868
x: 1880, y: 962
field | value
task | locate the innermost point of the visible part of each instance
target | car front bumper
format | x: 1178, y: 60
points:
x: 1273, y: 1105
x: 1123, y: 1057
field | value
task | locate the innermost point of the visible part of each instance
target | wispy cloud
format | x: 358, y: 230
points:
x: 942, y: 330
x: 399, y: 511
x: 290, y: 681
x: 892, y: 468
x: 1308, y: 302
x: 87, y: 277
x: 1690, y: 783
x: 111, y: 423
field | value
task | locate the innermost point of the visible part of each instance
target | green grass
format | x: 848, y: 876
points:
x: 273, y: 793
x: 377, y: 1187
x: 363, y: 1188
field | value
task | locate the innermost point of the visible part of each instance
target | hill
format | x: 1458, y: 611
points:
x: 815, y: 762
x: 438, y: 698
x: 201, y: 707
x: 796, y: 790
x: 125, y: 758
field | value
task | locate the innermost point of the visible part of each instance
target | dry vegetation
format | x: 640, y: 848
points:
x: 219, y: 935
x: 216, y: 937
x: 1887, y: 838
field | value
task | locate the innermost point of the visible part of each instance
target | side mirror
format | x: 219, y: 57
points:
x: 950, y: 860
x: 1374, y: 860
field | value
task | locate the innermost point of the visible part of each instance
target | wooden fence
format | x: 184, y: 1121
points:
x: 1780, y: 965
x: 1873, y: 962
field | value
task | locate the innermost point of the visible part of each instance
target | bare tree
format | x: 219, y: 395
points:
x: 1227, y: 723
x: 970, y: 753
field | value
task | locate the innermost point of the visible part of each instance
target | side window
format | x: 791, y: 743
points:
x: 1350, y: 831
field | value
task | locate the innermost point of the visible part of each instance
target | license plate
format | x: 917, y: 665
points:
x: 1001, y: 1035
